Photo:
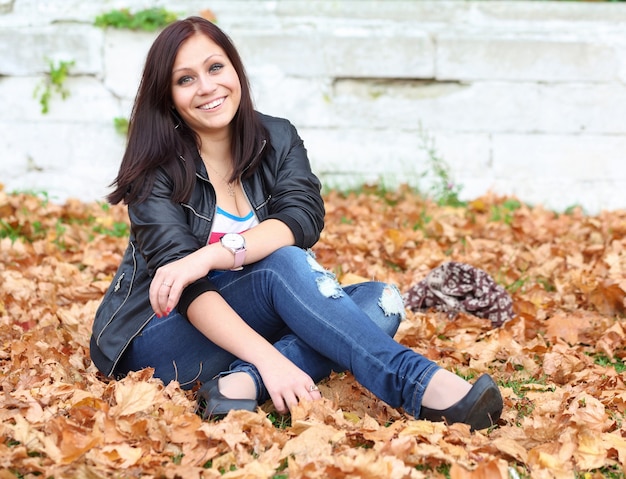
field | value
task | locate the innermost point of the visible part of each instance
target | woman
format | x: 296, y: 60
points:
x: 216, y: 285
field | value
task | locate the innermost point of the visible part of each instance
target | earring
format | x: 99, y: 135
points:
x: 176, y: 117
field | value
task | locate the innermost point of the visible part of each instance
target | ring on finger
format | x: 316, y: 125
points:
x: 313, y: 387
x: 166, y: 284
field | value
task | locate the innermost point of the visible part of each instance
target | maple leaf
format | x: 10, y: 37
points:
x: 133, y: 396
x: 608, y: 298
x: 567, y: 326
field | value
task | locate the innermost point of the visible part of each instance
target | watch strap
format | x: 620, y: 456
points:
x: 240, y: 256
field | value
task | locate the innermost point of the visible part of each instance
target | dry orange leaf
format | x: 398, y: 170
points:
x: 566, y: 326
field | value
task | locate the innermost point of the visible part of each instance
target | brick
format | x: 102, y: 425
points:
x: 81, y: 44
x: 304, y: 101
x: 560, y: 194
x: 124, y: 55
x: 526, y: 158
x: 6, y: 6
x: 379, y: 53
x: 444, y: 14
x: 350, y: 53
x: 481, y: 107
x: 17, y: 98
x: 293, y: 53
x: 66, y: 10
x: 564, y: 15
x: 88, y: 101
x: 66, y: 160
x: 395, y: 154
x: 525, y: 57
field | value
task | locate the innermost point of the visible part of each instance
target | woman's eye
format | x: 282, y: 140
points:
x: 215, y: 67
x: 184, y: 79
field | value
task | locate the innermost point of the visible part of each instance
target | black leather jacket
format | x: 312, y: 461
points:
x: 282, y: 187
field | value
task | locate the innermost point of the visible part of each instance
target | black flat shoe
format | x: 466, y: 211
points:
x: 480, y: 408
x: 212, y: 403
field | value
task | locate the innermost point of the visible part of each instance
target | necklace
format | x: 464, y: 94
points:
x: 229, y: 185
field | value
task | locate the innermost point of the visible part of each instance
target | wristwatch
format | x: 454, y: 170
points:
x: 236, y: 244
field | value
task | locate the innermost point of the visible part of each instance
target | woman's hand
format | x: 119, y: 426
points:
x: 287, y: 384
x: 170, y: 280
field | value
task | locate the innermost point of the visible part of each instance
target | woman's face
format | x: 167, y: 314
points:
x: 205, y: 87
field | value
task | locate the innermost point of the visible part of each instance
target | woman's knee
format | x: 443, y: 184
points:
x: 382, y: 302
x: 392, y: 307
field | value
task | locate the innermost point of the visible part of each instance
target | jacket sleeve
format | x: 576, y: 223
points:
x: 162, y: 234
x: 296, y: 196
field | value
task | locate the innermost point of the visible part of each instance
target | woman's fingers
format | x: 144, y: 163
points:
x: 314, y: 392
x: 165, y: 291
x: 164, y: 295
x: 281, y: 406
x: 309, y: 393
x: 286, y: 401
x: 174, y: 296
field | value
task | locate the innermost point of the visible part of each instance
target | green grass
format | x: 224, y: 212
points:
x: 602, y: 359
x: 443, y: 469
x: 280, y: 421
x: 609, y: 472
x: 118, y: 230
x: 518, y: 385
x: 504, y: 212
x: 29, y: 231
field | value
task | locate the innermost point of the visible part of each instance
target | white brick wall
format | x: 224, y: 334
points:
x: 524, y: 97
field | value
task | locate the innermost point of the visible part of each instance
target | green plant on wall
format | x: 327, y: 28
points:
x: 443, y: 188
x: 54, y: 82
x: 150, y: 19
x: 121, y: 125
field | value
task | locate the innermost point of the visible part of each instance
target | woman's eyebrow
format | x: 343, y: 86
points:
x: 207, y: 60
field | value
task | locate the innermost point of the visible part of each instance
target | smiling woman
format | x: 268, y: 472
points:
x: 217, y: 285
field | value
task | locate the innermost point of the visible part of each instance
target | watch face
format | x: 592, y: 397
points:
x: 234, y: 241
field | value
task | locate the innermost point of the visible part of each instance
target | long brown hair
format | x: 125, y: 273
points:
x: 159, y: 138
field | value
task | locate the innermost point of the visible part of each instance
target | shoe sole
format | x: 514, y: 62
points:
x: 486, y: 409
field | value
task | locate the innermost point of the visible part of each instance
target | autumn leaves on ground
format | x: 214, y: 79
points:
x: 560, y: 362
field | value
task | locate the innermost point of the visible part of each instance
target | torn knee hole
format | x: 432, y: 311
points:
x: 329, y: 287
x: 391, y: 302
x: 327, y: 284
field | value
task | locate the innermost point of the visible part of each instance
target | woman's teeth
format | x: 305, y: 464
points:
x: 213, y: 104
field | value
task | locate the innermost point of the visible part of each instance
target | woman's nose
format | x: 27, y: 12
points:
x: 206, y: 84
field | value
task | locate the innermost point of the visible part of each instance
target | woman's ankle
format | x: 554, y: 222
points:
x: 237, y: 385
x: 445, y: 389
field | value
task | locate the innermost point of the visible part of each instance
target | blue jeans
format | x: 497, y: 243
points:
x: 300, y: 308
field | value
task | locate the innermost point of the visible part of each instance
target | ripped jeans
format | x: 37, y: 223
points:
x: 300, y: 308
